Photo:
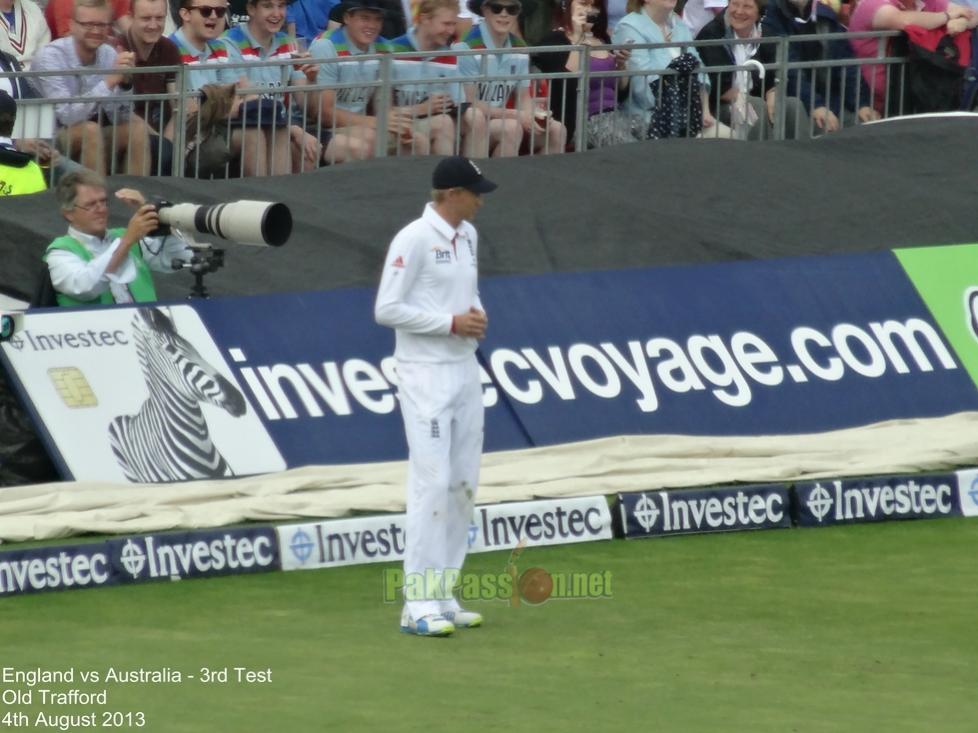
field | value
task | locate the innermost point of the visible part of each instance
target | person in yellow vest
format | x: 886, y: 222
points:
x: 19, y: 173
x: 93, y: 264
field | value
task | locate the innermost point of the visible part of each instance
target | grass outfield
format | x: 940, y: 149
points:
x: 860, y: 628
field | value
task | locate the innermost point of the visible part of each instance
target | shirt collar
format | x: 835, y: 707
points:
x: 182, y: 40
x: 490, y: 43
x: 438, y: 223
x: 90, y: 240
x: 254, y: 43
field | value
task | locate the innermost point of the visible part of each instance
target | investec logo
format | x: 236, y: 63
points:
x: 54, y: 569
x: 143, y: 558
x: 342, y: 542
x: 846, y: 501
x: 548, y: 522
x: 700, y: 510
x: 968, y: 491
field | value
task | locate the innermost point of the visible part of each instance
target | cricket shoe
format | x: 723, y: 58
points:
x: 431, y: 625
x: 463, y: 619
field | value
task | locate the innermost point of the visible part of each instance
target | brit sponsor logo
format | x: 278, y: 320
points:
x: 55, y: 568
x: 690, y: 511
x: 194, y: 555
x: 497, y: 527
x: 968, y: 491
x: 876, y: 499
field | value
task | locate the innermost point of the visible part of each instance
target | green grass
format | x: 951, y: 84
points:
x: 861, y: 628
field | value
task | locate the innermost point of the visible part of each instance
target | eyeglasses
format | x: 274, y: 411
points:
x: 207, y: 10
x: 94, y: 206
x: 508, y: 8
x: 93, y: 25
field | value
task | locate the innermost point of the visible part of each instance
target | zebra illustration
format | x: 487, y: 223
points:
x: 168, y: 439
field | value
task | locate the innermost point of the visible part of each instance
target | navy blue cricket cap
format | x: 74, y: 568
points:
x: 341, y: 9
x: 460, y: 172
x: 7, y: 104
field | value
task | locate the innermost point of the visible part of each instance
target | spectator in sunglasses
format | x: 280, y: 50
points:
x: 493, y: 92
x: 202, y: 22
x: 102, y: 136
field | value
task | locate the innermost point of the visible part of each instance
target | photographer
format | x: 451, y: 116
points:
x: 93, y: 264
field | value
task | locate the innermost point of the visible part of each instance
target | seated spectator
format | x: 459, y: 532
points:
x: 686, y: 113
x: 895, y: 15
x: 23, y: 29
x: 19, y: 174
x: 202, y: 22
x: 507, y: 125
x: 289, y: 147
x: 745, y: 100
x: 585, y: 22
x: 347, y: 113
x: 145, y: 39
x: 58, y: 14
x: 101, y: 135
x: 93, y: 264
x: 430, y: 104
x: 820, y: 93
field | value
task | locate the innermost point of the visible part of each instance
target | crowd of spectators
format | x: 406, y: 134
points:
x: 254, y: 118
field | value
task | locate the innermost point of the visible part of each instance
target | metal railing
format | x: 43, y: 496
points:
x: 295, y: 123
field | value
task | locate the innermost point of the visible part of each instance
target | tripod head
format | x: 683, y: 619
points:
x: 205, y: 259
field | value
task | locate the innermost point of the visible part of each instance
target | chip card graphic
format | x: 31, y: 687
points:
x: 71, y: 385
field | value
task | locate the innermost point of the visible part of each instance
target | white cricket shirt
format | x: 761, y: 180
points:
x: 431, y: 273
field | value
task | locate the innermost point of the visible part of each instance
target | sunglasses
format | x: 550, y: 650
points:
x: 508, y: 8
x: 206, y: 11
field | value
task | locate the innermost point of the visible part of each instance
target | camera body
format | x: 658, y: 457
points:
x: 593, y: 16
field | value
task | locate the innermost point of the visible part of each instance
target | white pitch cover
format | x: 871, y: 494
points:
x: 81, y: 371
x: 968, y: 491
x: 364, y: 540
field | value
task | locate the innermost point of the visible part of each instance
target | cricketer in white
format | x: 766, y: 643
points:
x: 429, y: 295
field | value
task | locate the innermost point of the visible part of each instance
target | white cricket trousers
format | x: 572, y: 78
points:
x: 443, y: 419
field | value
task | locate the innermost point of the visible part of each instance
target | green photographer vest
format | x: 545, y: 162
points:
x: 142, y: 288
